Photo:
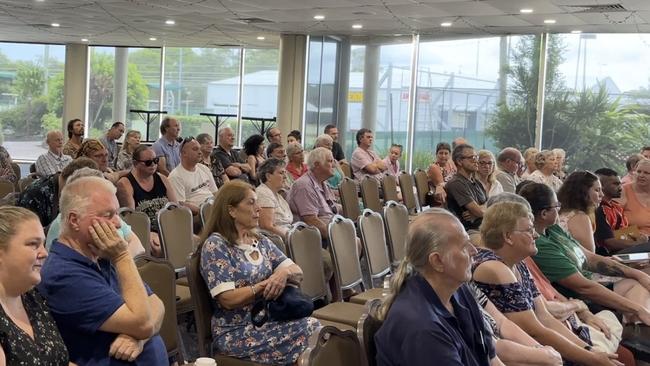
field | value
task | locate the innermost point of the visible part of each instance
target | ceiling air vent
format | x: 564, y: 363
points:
x: 601, y: 8
x: 252, y: 20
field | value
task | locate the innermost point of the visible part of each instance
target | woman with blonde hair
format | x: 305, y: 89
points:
x: 499, y: 272
x: 125, y: 156
x: 529, y: 158
x: 636, y: 197
x: 28, y: 333
x: 545, y: 164
x: 485, y: 174
x: 239, y: 266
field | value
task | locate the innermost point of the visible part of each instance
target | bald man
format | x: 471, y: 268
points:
x: 509, y: 162
x: 53, y: 161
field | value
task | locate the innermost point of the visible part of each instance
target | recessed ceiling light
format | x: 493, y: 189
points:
x: 357, y: 26
x: 319, y: 17
x: 445, y: 24
x: 170, y: 22
x: 84, y: 40
x: 577, y: 31
x: 55, y: 25
x: 261, y: 38
x: 549, y: 21
x: 152, y: 38
x: 526, y: 11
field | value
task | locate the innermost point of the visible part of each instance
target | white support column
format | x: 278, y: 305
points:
x: 370, y: 86
x: 291, y: 82
x: 541, y: 89
x: 344, y: 86
x: 120, y: 83
x: 75, y: 84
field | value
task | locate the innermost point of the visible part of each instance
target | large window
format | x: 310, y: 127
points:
x: 201, y: 80
x: 322, y: 87
x: 142, y: 91
x: 598, y: 99
x: 31, y: 96
x: 260, y: 89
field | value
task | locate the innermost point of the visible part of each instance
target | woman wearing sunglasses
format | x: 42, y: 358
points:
x: 146, y: 190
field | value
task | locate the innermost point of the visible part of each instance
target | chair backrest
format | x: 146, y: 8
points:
x: 159, y: 275
x: 343, y: 246
x: 368, y: 325
x: 408, y: 197
x: 397, y: 223
x: 275, y: 238
x: 202, y: 304
x: 139, y: 222
x: 332, y: 346
x: 389, y: 186
x: 176, y: 230
x: 304, y: 244
x: 422, y: 185
x: 370, y: 194
x: 6, y: 187
x: 205, y: 209
x: 347, y: 171
x: 373, y: 237
x: 349, y: 198
x: 25, y: 182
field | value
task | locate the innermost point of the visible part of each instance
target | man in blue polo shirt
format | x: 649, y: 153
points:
x: 431, y: 316
x: 167, y: 147
x: 105, y: 313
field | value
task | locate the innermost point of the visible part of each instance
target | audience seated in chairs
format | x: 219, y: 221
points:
x: 192, y: 182
x: 109, y: 140
x: 75, y: 137
x: 365, y: 161
x: 240, y: 266
x: 509, y: 163
x: 42, y: 196
x: 53, y: 161
x: 275, y: 213
x: 294, y: 137
x: 274, y: 136
x: 430, y: 312
x: 296, y: 166
x: 630, y: 165
x: 333, y: 182
x: 571, y: 268
x: 636, y: 197
x: 167, y: 147
x: 610, y: 217
x: 530, y: 155
x: 124, y: 230
x: 546, y: 165
x: 440, y: 172
x: 94, y: 149
x: 29, y: 334
x: 210, y: 160
x: 92, y: 286
x: 486, y: 174
x: 235, y: 167
x: 146, y: 190
x: 337, y: 150
x: 499, y: 272
x: 6, y: 169
x: 392, y: 160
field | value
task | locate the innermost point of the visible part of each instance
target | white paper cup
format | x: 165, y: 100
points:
x: 205, y: 361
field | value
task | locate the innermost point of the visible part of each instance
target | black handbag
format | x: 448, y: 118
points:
x: 290, y: 305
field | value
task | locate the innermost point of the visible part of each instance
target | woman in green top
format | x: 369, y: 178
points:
x: 569, y: 266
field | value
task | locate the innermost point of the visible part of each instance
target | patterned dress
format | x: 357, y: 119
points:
x: 226, y: 267
x: 47, y: 347
x: 6, y: 169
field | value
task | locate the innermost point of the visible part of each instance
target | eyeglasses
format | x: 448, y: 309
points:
x: 531, y: 231
x: 185, y: 141
x: 485, y: 163
x: 150, y: 161
x: 558, y: 206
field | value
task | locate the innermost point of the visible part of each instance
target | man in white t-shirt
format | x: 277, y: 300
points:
x: 192, y: 182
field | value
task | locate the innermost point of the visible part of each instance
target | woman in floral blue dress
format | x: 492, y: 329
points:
x: 238, y: 266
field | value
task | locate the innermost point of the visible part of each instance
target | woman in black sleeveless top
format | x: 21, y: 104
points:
x: 145, y: 190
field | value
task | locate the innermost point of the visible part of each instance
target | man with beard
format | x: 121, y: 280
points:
x: 75, y: 136
x: 610, y: 217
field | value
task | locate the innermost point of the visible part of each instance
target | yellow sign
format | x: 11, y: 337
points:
x: 355, y: 97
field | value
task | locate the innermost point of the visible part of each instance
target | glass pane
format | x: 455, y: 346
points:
x: 201, y: 80
x: 31, y: 96
x: 100, y: 90
x: 314, y: 88
x: 457, y: 91
x: 598, y: 99
x: 260, y: 91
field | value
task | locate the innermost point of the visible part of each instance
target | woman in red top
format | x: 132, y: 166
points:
x: 296, y: 166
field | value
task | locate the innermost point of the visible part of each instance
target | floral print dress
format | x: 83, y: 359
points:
x: 225, y: 267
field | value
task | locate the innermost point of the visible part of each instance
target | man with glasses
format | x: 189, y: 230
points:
x: 167, y: 147
x: 509, y: 162
x: 274, y: 135
x: 465, y: 195
x: 192, y: 182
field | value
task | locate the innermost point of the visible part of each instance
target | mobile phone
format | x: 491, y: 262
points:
x: 633, y: 257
